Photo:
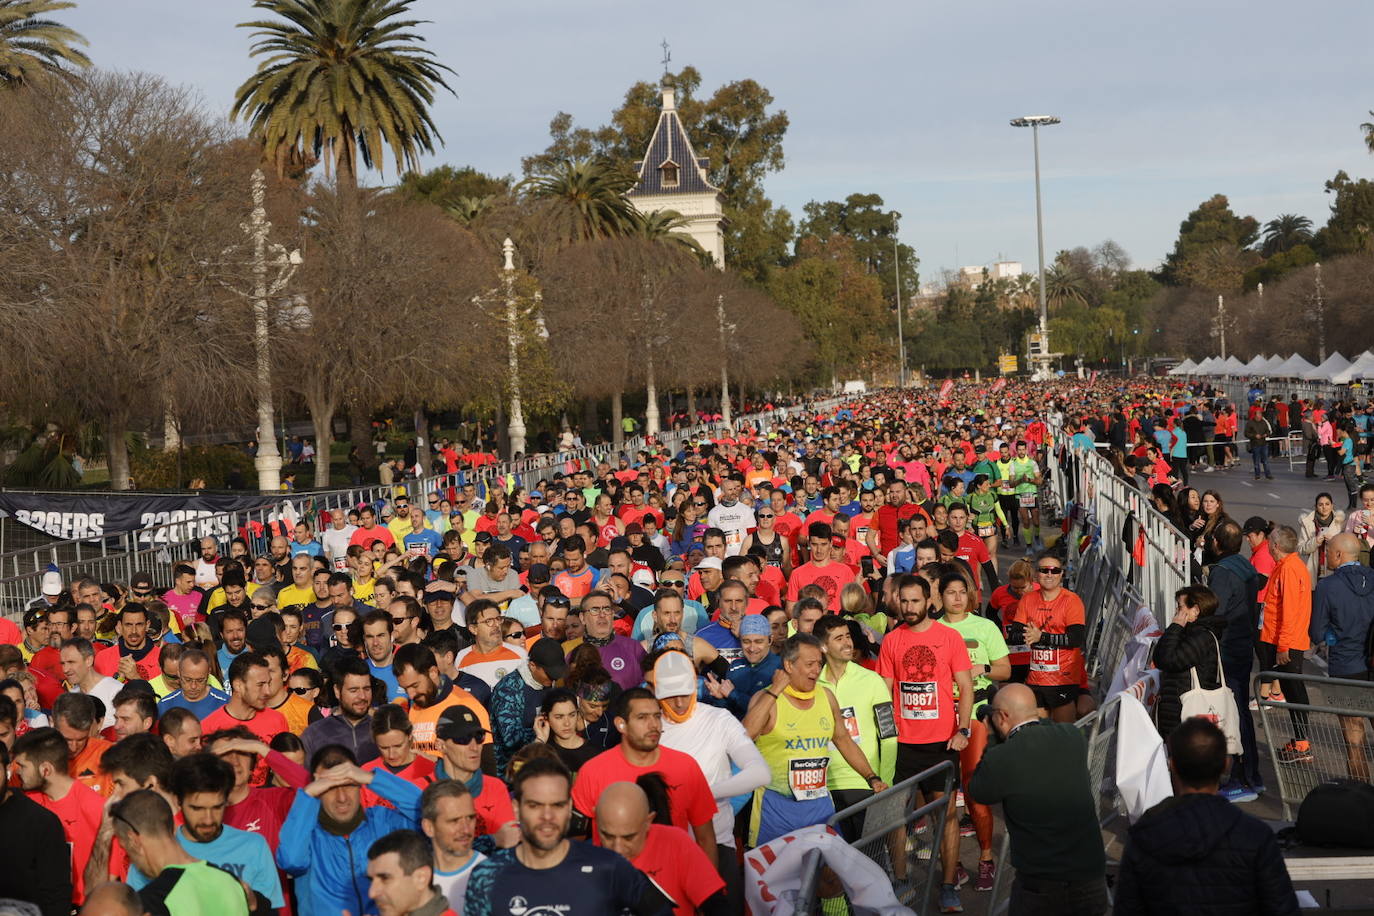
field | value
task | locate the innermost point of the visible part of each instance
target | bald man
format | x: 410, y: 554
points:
x: 1039, y: 774
x: 1344, y: 605
x: 113, y: 899
x: 668, y: 855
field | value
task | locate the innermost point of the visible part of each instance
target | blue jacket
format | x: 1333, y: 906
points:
x: 331, y: 869
x: 1344, y: 604
x: 749, y: 680
x: 1236, y: 584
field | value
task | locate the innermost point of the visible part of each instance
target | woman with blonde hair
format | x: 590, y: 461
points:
x: 855, y: 602
x: 198, y: 635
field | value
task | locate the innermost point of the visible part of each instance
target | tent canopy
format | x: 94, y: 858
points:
x: 1362, y: 367
x: 1293, y: 367
x: 1253, y: 367
x: 1233, y: 366
x: 1183, y: 368
x: 1335, y: 363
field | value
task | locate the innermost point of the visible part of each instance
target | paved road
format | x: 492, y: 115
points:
x: 1280, y: 499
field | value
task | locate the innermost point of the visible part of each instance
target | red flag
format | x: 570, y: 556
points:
x: 999, y: 384
x: 946, y: 388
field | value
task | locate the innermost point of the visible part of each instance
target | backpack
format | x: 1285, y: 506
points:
x: 1338, y: 813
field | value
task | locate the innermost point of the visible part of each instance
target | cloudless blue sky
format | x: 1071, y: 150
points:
x: 1164, y: 103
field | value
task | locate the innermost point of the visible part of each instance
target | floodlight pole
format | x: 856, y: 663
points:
x: 1034, y: 122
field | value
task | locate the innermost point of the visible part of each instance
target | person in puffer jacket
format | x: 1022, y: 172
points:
x: 1342, y: 614
x: 1192, y: 640
x: 327, y: 833
x: 1197, y: 853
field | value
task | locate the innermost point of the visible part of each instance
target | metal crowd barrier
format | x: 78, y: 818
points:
x: 1336, y: 722
x: 154, y: 549
x: 884, y: 813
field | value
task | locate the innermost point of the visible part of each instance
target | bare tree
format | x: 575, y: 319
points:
x: 115, y: 213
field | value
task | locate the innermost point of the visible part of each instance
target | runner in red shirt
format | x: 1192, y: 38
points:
x: 41, y: 760
x: 250, y: 678
x: 391, y: 732
x: 640, y: 721
x: 972, y: 549
x: 921, y: 661
x: 668, y: 856
x: 830, y: 575
x: 1050, y: 620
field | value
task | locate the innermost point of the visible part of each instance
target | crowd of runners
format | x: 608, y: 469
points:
x: 593, y: 693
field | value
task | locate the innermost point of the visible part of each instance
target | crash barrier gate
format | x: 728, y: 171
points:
x: 1238, y: 389
x: 1099, y: 727
x: 1336, y: 721
x: 154, y: 549
x: 1138, y: 542
x: 882, y: 814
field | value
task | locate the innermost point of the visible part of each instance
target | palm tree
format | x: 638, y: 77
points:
x: 666, y: 226
x: 1284, y: 232
x: 31, y: 46
x: 591, y: 193
x: 1063, y: 285
x: 1368, y: 128
x: 341, y: 78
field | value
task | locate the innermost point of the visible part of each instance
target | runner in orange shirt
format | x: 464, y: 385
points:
x: 1050, y: 620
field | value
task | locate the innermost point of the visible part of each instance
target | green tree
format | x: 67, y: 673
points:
x: 32, y: 46
x: 1300, y: 255
x: 1349, y: 227
x: 342, y: 79
x: 590, y: 197
x: 1367, y: 128
x: 1212, y: 226
x: 862, y: 219
x: 1284, y: 232
x: 838, y: 304
x: 447, y: 187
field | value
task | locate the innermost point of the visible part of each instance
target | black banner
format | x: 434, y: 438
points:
x: 84, y: 516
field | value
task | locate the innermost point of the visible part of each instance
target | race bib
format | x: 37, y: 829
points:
x: 851, y: 724
x: 986, y: 531
x: 806, y: 776
x: 418, y: 550
x: 1028, y: 500
x: 919, y: 700
x: 1044, y: 659
x: 731, y: 655
x: 341, y: 564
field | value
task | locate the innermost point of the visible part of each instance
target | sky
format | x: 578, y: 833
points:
x: 1163, y: 103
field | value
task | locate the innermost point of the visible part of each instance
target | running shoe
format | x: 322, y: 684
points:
x: 949, y: 899
x: 987, y: 875
x: 1238, y: 792
x: 961, y: 876
x: 1296, y: 752
x: 1276, y: 697
x: 966, y: 826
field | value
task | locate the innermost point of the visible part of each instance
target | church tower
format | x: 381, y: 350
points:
x: 671, y: 177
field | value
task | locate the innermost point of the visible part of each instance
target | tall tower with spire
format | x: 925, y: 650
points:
x: 672, y: 177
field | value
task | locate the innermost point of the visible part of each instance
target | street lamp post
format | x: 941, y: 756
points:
x: 268, y: 257
x: 508, y: 298
x: 725, y: 415
x: 897, y: 269
x: 1034, y: 122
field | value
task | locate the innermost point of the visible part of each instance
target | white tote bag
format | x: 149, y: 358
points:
x: 1218, y: 705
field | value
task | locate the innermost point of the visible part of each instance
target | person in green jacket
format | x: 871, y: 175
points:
x: 986, y: 511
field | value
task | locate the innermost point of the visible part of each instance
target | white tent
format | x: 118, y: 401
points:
x: 1208, y: 366
x: 1271, y: 364
x: 1293, y: 367
x: 1334, y: 363
x: 1361, y: 368
x: 1253, y: 367
x: 1233, y: 366
x: 1183, y: 368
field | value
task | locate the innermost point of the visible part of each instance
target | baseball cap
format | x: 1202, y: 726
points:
x: 539, y: 572
x: 634, y: 528
x: 52, y: 583
x: 1255, y: 524
x: 458, y: 723
x: 34, y: 617
x: 548, y: 654
x: 483, y: 537
x: 432, y: 595
x: 674, y: 676
x: 710, y: 563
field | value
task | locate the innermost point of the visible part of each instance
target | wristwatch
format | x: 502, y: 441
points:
x: 965, y: 732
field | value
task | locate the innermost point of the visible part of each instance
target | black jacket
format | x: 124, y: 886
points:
x: 1178, y: 650
x: 37, y: 860
x: 1201, y: 855
x: 1236, y: 583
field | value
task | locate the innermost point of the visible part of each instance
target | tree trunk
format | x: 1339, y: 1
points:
x: 360, y: 432
x: 117, y: 451
x: 691, y: 405
x: 322, y: 417
x: 422, y: 451
x: 617, y: 416
x: 590, y: 426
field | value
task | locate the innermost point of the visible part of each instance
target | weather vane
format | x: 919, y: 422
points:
x: 667, y: 57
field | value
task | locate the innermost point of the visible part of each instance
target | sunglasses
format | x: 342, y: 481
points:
x: 340, y: 626
x: 262, y: 607
x: 763, y: 515
x: 142, y: 591
x: 301, y: 691
x: 1050, y: 570
x: 696, y: 502
x: 673, y: 583
x: 470, y: 739
x: 399, y: 620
